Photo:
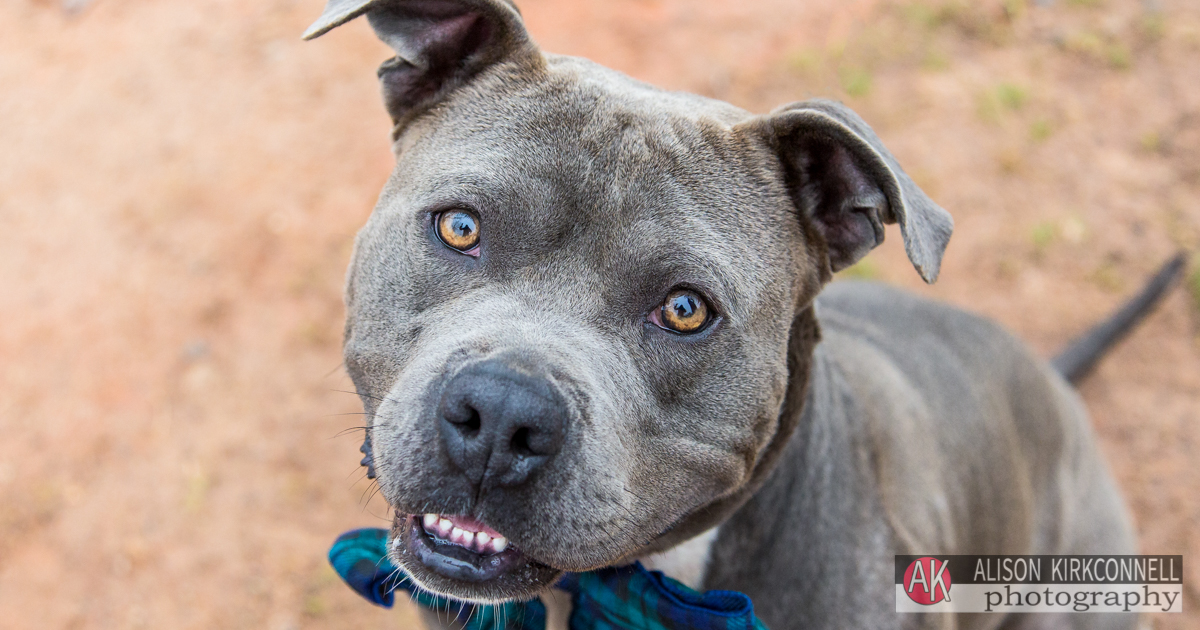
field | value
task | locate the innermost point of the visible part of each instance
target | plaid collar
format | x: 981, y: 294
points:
x: 627, y: 597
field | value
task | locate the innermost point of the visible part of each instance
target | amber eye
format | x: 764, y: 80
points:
x: 684, y: 311
x: 458, y: 229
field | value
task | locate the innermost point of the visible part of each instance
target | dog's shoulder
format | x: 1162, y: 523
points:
x: 939, y: 390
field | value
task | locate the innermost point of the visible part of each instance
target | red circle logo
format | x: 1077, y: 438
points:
x: 927, y: 581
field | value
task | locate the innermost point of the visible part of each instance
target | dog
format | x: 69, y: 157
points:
x: 591, y: 321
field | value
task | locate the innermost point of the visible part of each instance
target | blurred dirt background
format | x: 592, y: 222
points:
x: 180, y: 183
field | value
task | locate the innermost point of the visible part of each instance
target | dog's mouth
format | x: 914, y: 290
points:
x: 462, y: 557
x: 465, y: 532
x: 461, y: 547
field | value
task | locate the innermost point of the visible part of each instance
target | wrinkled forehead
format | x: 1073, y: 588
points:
x: 623, y: 150
x: 616, y: 178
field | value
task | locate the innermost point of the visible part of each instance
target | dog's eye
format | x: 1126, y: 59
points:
x: 684, y: 311
x: 458, y: 229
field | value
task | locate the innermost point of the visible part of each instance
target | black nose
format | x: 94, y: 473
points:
x: 500, y: 423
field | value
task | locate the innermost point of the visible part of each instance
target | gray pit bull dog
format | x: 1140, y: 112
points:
x: 584, y: 322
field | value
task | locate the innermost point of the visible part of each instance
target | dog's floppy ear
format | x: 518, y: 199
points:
x: 848, y: 185
x: 439, y: 44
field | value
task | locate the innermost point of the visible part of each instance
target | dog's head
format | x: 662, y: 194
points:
x: 580, y: 314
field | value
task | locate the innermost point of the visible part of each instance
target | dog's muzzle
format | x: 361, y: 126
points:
x: 500, y: 421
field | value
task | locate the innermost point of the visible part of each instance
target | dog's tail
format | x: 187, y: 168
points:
x: 1081, y: 355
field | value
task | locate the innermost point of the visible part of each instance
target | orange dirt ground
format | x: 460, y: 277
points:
x: 180, y: 183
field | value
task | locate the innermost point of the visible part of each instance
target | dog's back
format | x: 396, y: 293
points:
x: 978, y: 395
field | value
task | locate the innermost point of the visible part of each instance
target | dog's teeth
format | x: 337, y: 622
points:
x: 445, y: 529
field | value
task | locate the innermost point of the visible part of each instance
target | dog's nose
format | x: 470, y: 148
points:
x: 499, y: 423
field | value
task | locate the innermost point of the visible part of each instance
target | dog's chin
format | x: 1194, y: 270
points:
x: 466, y: 569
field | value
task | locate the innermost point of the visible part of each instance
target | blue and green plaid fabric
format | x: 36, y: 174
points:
x: 620, y: 598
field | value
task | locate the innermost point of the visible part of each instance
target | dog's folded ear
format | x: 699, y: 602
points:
x: 440, y: 44
x: 847, y: 184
